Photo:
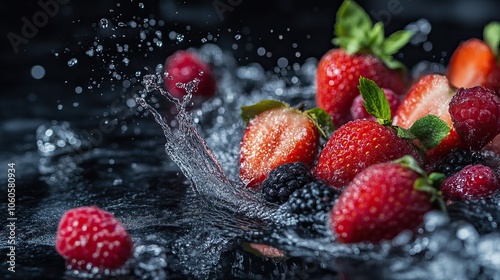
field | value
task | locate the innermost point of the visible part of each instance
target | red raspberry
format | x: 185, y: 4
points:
x: 89, y: 237
x: 472, y: 182
x: 358, y: 111
x: 475, y: 113
x: 184, y: 67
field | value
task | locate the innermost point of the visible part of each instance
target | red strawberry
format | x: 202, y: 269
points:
x: 357, y: 145
x: 430, y: 95
x: 364, y: 52
x: 89, y: 237
x: 381, y: 201
x: 361, y: 143
x: 475, y: 113
x: 472, y: 182
x: 183, y: 67
x: 277, y: 134
x: 475, y: 62
x: 358, y: 111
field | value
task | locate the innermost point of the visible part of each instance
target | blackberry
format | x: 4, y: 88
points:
x: 284, y: 180
x: 315, y: 197
x: 457, y: 159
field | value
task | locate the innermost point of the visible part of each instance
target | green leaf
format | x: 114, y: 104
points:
x: 404, y: 133
x: 249, y: 112
x: 376, y: 103
x: 396, y: 41
x: 430, y: 130
x: 352, y: 21
x: 376, y: 35
x: 321, y: 120
x: 491, y: 35
x: 411, y: 163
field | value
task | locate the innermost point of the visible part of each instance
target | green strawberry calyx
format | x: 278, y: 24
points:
x: 491, y: 35
x: 356, y: 33
x: 321, y: 120
x: 430, y: 184
x: 429, y: 130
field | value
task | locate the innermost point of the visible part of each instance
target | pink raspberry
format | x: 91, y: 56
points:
x: 472, y: 182
x: 475, y: 113
x: 89, y: 237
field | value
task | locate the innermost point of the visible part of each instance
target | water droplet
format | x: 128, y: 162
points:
x: 104, y: 23
x: 37, y: 72
x: 78, y: 90
x: 237, y: 37
x: 90, y: 52
x: 72, y: 62
x: 180, y: 38
x: 141, y: 5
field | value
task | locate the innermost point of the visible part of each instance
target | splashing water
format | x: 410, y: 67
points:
x: 443, y: 248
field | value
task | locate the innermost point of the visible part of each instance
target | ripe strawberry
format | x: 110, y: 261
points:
x: 361, y: 143
x: 430, y: 95
x: 358, y: 111
x: 184, y: 67
x: 475, y: 113
x: 89, y: 237
x: 277, y: 134
x: 364, y: 52
x: 475, y: 62
x: 383, y: 200
x: 472, y: 182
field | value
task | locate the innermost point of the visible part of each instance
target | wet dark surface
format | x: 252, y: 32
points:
x: 121, y: 165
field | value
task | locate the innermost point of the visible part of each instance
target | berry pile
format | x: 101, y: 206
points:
x: 387, y: 132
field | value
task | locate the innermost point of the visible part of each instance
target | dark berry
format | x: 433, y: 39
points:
x: 472, y: 182
x: 284, y: 180
x: 475, y: 113
x: 457, y: 159
x: 313, y: 198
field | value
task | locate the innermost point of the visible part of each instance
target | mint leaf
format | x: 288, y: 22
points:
x: 491, y: 36
x: 396, y: 41
x: 376, y: 103
x: 321, y: 120
x: 249, y: 112
x: 404, y: 133
x: 430, y: 130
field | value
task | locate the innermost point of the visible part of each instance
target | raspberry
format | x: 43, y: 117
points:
x: 475, y: 113
x: 313, y: 198
x: 457, y: 159
x: 284, y: 180
x: 472, y: 182
x: 358, y: 110
x: 89, y: 237
x: 184, y: 67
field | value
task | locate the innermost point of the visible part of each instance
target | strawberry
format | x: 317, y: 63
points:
x: 361, y: 143
x: 277, y: 134
x: 472, y: 182
x: 475, y: 113
x: 475, y: 62
x: 183, y: 70
x: 430, y: 95
x: 89, y: 238
x: 383, y: 200
x: 363, y: 52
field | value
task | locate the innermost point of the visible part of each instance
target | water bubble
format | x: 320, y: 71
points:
x: 237, y: 37
x: 99, y: 48
x: 72, y: 62
x: 141, y: 5
x: 282, y: 62
x: 90, y: 52
x: 37, y: 72
x: 78, y: 90
x: 180, y: 38
x: 261, y: 51
x: 104, y: 23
